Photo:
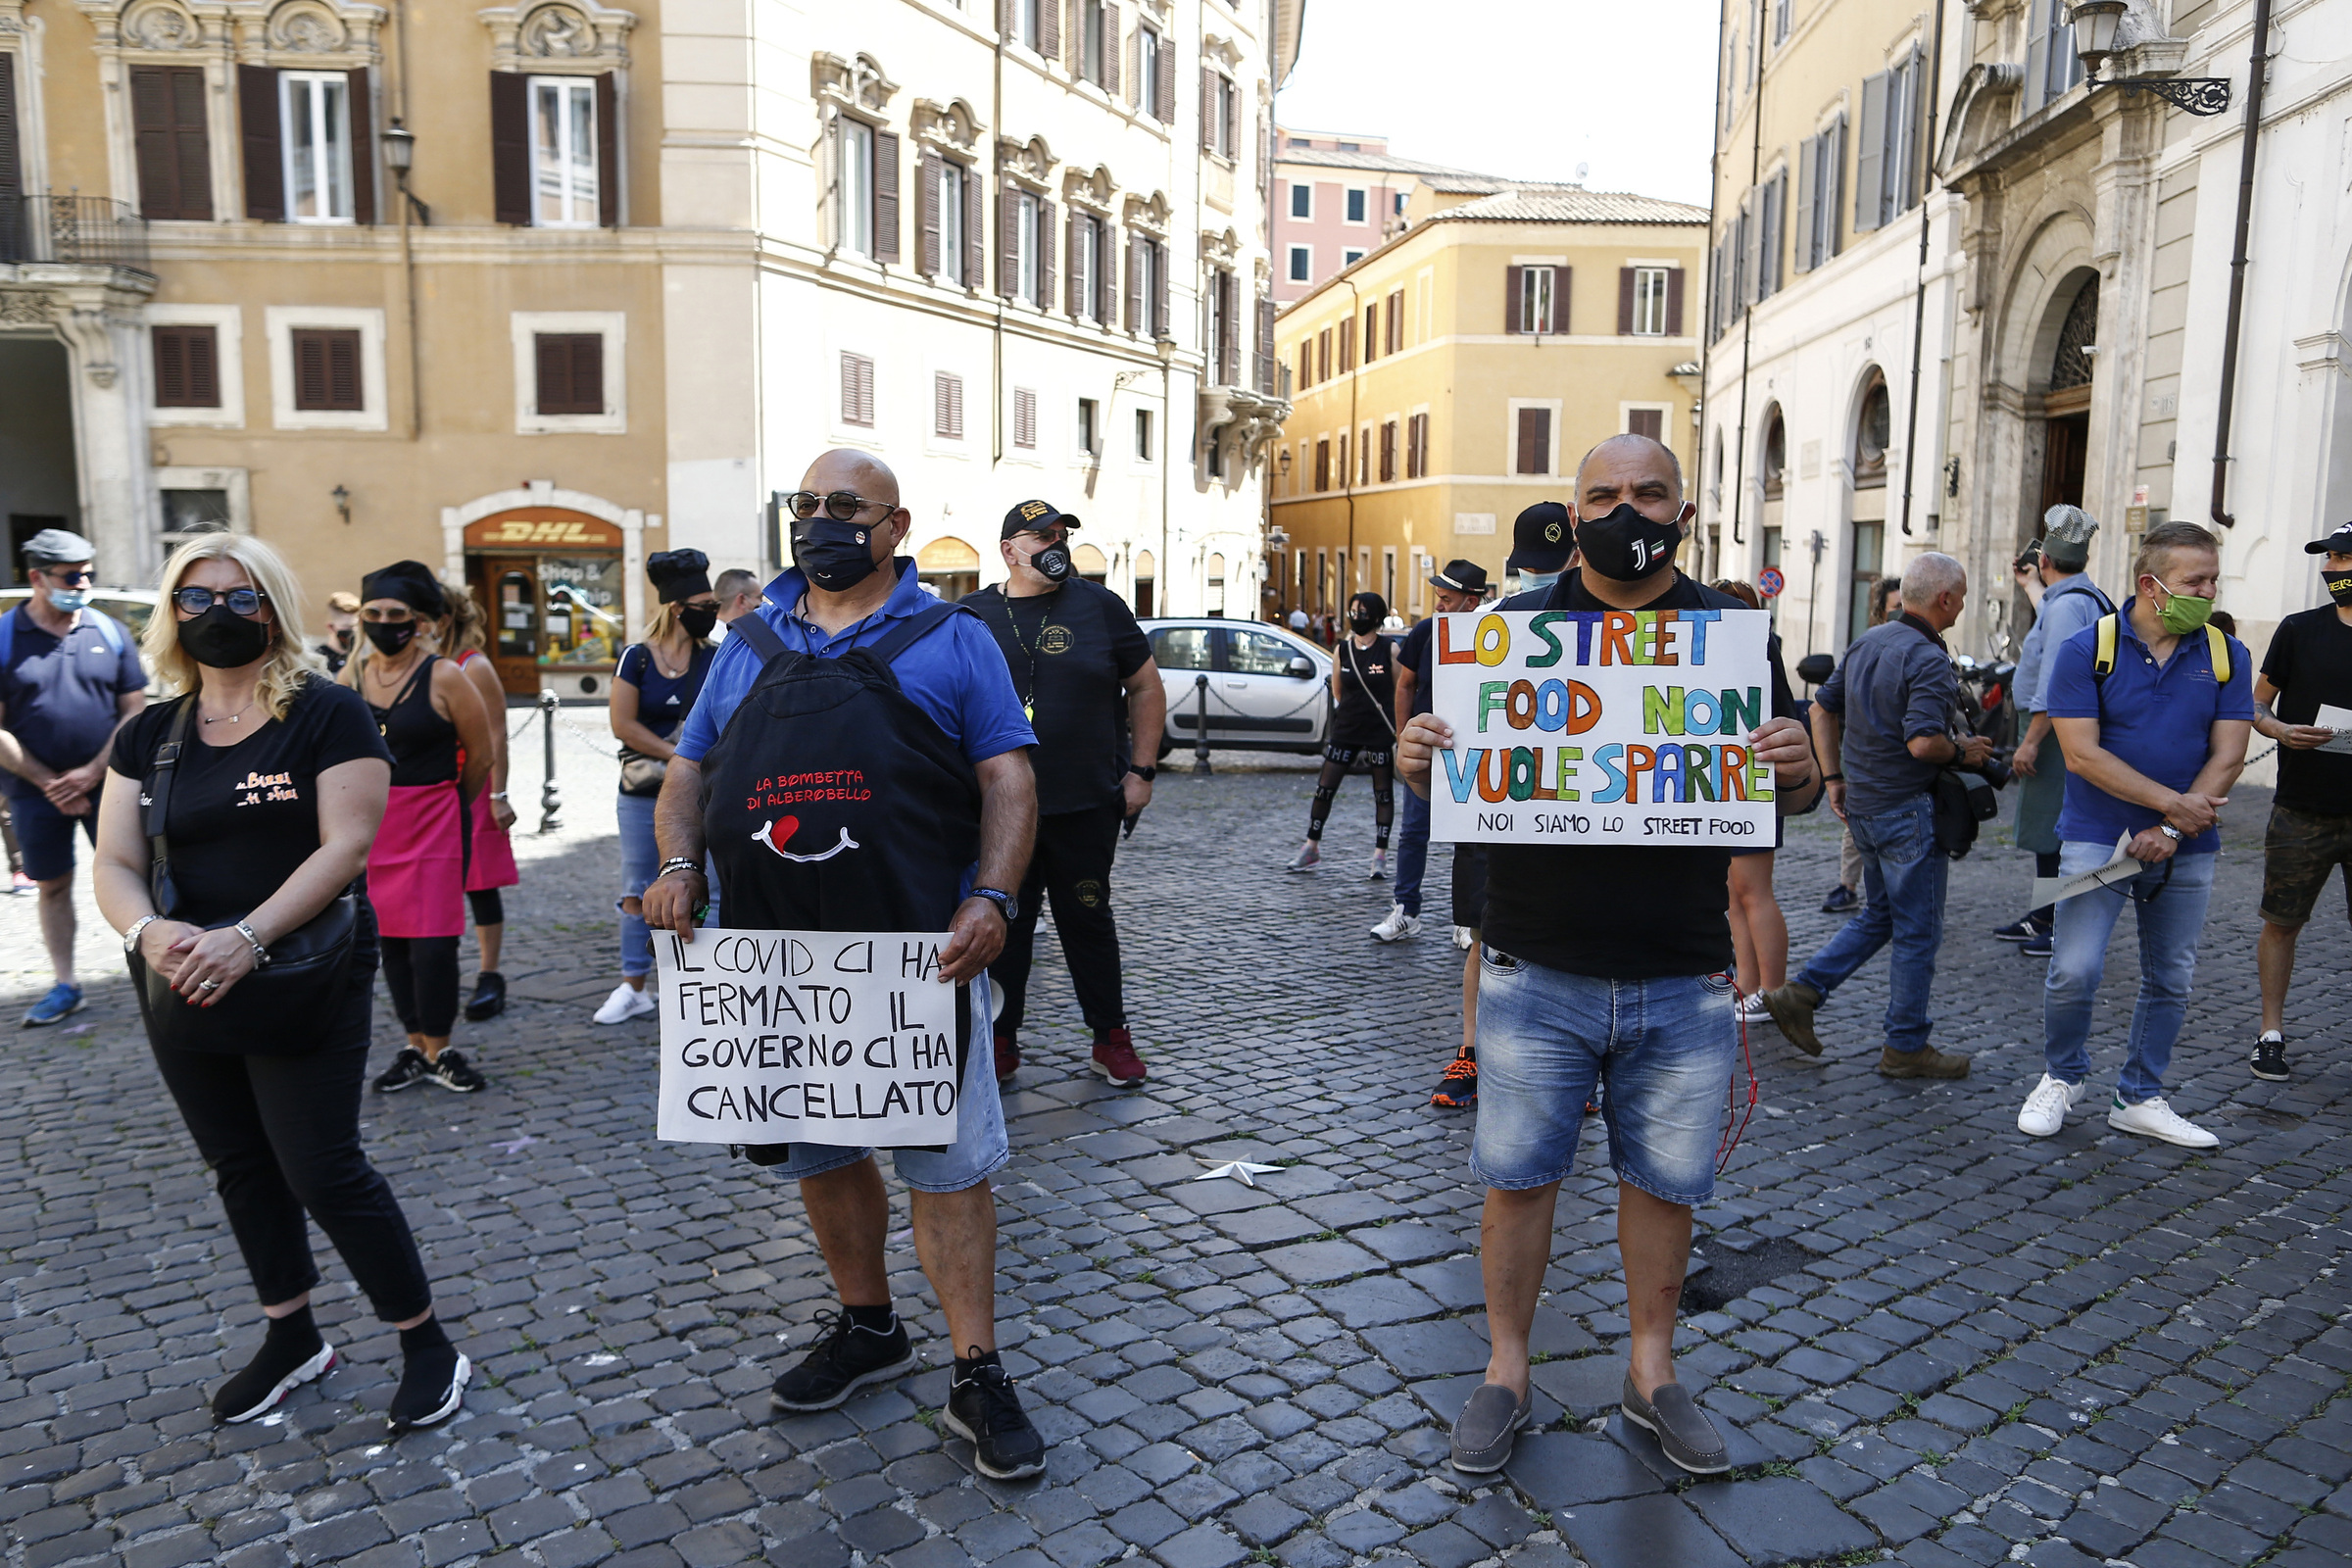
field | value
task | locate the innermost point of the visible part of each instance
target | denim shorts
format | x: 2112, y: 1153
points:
x: 981, y: 1147
x: 1546, y: 1037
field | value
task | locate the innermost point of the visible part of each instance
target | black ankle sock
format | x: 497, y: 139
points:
x: 966, y: 1366
x: 296, y: 1331
x: 425, y: 1335
x: 883, y: 1319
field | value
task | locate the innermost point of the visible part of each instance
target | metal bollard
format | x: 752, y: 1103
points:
x: 551, y: 799
x: 1200, y: 727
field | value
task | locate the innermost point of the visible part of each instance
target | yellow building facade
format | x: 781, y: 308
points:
x: 1454, y: 376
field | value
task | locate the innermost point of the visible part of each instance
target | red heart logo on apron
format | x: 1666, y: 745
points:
x: 781, y: 834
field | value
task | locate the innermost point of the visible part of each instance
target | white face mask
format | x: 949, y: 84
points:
x: 1536, y: 579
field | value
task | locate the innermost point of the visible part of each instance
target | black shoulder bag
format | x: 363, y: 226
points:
x: 294, y: 990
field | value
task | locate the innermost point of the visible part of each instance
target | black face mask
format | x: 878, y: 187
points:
x: 222, y: 639
x: 2339, y: 586
x: 698, y: 619
x: 1625, y: 544
x: 834, y: 556
x: 389, y: 636
x: 1362, y: 621
x: 1054, y: 562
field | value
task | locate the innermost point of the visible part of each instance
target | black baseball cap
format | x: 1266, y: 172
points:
x: 1031, y: 516
x: 2338, y: 543
x: 1542, y: 539
x: 1461, y: 576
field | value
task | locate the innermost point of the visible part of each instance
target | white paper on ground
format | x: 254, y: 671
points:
x: 2049, y: 890
x: 2338, y: 719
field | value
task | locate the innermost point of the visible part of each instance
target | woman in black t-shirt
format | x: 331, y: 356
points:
x: 278, y: 786
x: 1363, y: 730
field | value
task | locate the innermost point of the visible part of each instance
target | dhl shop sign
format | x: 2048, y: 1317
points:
x: 541, y: 528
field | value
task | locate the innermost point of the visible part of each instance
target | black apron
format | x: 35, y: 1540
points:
x: 832, y: 803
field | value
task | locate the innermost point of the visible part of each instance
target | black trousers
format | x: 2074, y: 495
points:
x: 1072, y: 864
x: 281, y: 1135
x: 422, y: 973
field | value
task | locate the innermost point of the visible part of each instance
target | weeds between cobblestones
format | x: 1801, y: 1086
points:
x: 1927, y: 1338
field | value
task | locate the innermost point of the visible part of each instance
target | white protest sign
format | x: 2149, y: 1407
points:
x: 2338, y: 719
x: 806, y: 1037
x: 1602, y: 727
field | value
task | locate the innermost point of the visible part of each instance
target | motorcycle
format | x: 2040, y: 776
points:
x: 1987, y: 705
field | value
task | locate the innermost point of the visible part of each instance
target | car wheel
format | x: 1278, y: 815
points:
x: 1165, y: 747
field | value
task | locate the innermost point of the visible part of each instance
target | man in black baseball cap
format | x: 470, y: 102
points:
x: 2308, y: 668
x: 1086, y: 678
x: 1541, y: 541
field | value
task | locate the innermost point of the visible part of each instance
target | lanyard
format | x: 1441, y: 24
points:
x: 1028, y: 651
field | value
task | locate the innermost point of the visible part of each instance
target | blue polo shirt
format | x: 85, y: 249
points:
x: 2155, y: 719
x: 955, y: 675
x: 64, y: 696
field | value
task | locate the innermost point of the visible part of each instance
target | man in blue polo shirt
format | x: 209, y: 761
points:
x: 857, y: 760
x: 68, y: 678
x: 2155, y: 729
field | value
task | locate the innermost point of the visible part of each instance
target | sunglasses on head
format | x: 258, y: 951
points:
x: 246, y: 602
x: 841, y: 506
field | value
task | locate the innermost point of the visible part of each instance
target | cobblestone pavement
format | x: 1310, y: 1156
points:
x: 1930, y: 1339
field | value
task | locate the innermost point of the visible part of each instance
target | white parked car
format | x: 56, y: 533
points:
x: 1269, y: 690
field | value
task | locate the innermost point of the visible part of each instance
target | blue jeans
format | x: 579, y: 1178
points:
x: 640, y: 859
x: 1548, y: 1039
x: 1903, y: 877
x: 1412, y: 852
x: 2172, y: 914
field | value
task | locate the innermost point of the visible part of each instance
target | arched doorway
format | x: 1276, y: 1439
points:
x: 1775, y: 475
x: 1090, y: 564
x: 1866, y: 552
x: 1213, y: 601
x: 949, y: 567
x: 2066, y: 402
x: 1144, y: 572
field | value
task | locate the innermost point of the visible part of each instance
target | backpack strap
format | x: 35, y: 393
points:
x: 2217, y: 649
x: 907, y: 633
x: 2102, y: 656
x: 753, y: 629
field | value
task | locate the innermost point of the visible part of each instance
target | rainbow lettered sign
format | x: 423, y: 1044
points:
x: 1603, y: 727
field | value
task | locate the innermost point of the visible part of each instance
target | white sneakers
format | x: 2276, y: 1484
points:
x: 1397, y: 927
x: 2046, y: 1106
x: 2153, y: 1118
x: 625, y: 1003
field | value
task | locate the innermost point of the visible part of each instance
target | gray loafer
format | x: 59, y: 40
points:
x: 1482, y: 1433
x: 1681, y: 1426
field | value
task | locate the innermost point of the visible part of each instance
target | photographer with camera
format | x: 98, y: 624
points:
x: 1885, y: 718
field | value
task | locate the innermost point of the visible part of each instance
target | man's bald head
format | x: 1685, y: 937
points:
x: 849, y: 469
x: 1631, y: 470
x: 1636, y: 451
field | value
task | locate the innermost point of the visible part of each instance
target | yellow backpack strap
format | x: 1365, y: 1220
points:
x: 2218, y: 645
x: 2102, y: 657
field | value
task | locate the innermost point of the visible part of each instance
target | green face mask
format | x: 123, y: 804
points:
x: 2181, y: 613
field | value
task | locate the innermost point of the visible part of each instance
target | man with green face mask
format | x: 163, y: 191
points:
x: 2153, y: 709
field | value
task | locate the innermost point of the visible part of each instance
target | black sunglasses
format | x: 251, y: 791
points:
x: 246, y: 602
x: 841, y: 506
x: 67, y: 574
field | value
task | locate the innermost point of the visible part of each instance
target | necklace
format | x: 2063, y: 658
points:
x: 227, y: 718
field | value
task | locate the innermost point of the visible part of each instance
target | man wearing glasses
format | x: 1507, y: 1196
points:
x: 68, y: 678
x: 857, y: 760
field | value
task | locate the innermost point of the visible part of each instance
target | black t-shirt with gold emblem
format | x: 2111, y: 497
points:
x: 1070, y: 653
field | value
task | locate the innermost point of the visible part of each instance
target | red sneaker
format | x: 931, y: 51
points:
x: 1116, y: 1059
x: 1008, y: 1059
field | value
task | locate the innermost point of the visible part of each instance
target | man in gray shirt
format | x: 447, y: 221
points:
x: 2069, y: 602
x: 1885, y: 718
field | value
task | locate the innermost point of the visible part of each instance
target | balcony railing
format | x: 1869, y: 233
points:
x: 87, y: 230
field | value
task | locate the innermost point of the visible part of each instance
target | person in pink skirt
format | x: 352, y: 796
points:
x: 463, y: 637
x: 426, y: 711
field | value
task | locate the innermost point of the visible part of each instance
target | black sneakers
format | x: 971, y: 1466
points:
x: 2023, y: 929
x: 407, y: 1068
x: 453, y: 1072
x: 848, y: 1357
x: 2269, y: 1062
x: 292, y: 1354
x: 983, y: 1409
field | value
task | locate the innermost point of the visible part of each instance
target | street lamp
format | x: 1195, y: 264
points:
x: 400, y: 150
x: 2096, y: 22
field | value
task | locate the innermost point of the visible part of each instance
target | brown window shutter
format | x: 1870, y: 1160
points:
x: 571, y: 373
x: 1346, y: 347
x: 552, y: 354
x: 608, y: 152
x: 1397, y: 321
x: 1134, y: 284
x: 974, y: 221
x: 1004, y: 16
x: 1110, y: 48
x: 1165, y: 109
x: 1049, y: 29
x: 1208, y: 110
x: 1511, y: 298
x: 1159, y: 273
x: 151, y: 138
x: 170, y: 367
x: 1074, y: 287
x: 1674, y: 301
x: 1229, y: 351
x: 361, y: 102
x: 265, y: 167
x: 343, y: 368
x: 1625, y: 300
x: 326, y: 368
x: 1564, y: 289
x: 310, y: 369
x: 928, y: 170
x: 1045, y: 257
x: 511, y: 148
x: 885, y: 196
x: 1265, y: 344
x: 1535, y: 441
x: 1008, y: 237
x: 588, y: 372
x: 191, y: 143
x: 11, y: 163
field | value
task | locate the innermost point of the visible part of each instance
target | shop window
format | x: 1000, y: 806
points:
x: 583, y: 610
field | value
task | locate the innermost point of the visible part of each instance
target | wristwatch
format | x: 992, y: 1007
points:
x: 2169, y: 831
x: 130, y: 933
x: 1007, y: 905
x: 1147, y: 774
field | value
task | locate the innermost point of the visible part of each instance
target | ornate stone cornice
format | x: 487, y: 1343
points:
x: 1031, y: 160
x: 1221, y: 49
x: 947, y: 127
x: 327, y: 33
x: 1220, y: 247
x: 1084, y: 187
x: 1147, y: 213
x: 860, y: 84
x: 564, y: 37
